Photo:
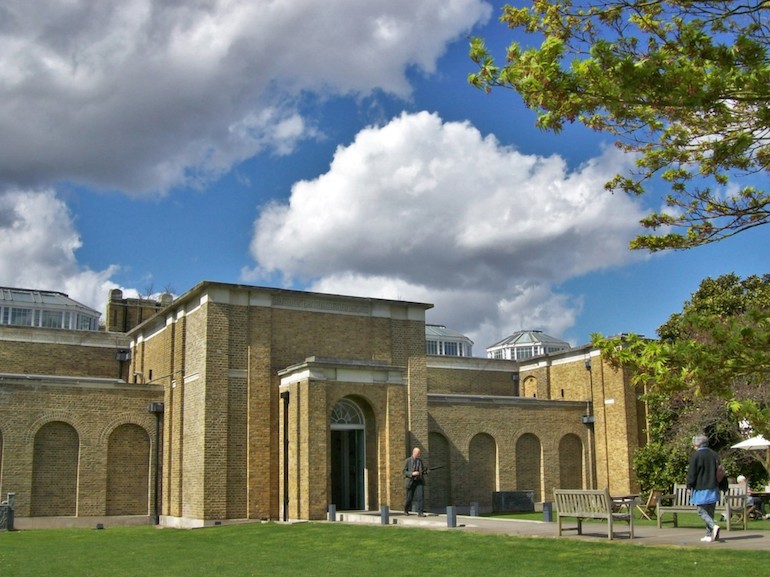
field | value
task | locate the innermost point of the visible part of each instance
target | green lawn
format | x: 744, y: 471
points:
x: 350, y: 550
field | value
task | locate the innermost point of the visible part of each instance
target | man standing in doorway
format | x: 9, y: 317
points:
x: 414, y: 482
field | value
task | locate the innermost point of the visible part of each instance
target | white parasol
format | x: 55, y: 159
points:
x: 757, y: 443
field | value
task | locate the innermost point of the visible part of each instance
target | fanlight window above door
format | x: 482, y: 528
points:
x: 347, y: 414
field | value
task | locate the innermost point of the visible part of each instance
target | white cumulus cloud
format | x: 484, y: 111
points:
x: 142, y: 96
x: 38, y: 244
x: 426, y: 210
x: 145, y: 95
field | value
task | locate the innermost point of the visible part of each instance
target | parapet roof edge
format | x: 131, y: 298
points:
x: 471, y: 363
x: 202, y: 286
x: 502, y: 400
x: 341, y: 363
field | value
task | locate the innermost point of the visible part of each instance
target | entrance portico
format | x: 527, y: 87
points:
x: 346, y: 423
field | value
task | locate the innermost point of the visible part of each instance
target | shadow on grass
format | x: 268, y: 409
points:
x: 686, y: 520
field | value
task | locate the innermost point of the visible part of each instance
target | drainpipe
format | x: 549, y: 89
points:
x: 285, y: 397
x: 156, y: 409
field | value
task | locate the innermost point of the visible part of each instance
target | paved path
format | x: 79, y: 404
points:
x: 594, y: 532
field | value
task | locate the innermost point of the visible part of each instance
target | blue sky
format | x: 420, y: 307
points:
x: 332, y: 146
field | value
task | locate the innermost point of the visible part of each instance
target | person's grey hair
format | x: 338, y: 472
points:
x: 700, y: 441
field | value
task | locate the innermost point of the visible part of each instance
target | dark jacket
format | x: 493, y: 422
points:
x: 702, y: 473
x: 413, y: 465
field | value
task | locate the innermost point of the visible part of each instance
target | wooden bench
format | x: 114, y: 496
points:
x: 733, y: 505
x: 591, y: 504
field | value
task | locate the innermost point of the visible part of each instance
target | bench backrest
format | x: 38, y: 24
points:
x: 736, y: 495
x: 582, y: 501
x: 682, y: 498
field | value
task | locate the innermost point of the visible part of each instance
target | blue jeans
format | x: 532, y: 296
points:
x: 706, y: 512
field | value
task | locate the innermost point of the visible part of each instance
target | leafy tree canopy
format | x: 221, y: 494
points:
x: 683, y: 84
x: 720, y: 342
x: 709, y: 371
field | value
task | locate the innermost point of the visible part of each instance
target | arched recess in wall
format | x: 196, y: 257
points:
x: 55, y: 471
x: 529, y: 387
x: 482, y: 465
x: 128, y: 471
x: 440, y: 480
x: 529, y: 459
x: 570, y: 462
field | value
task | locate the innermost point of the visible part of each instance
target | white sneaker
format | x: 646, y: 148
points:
x: 715, y: 533
x: 706, y: 539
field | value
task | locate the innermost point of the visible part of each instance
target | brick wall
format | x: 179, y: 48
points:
x: 226, y: 428
x: 219, y: 357
x: 448, y: 377
x: 37, y: 351
x: 123, y: 314
x: 612, y: 401
x: 531, y: 464
x: 56, y: 442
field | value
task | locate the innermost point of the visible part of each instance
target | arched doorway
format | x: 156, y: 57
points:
x: 348, y: 456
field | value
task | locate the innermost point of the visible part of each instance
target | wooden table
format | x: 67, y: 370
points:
x: 626, y: 502
x: 764, y: 498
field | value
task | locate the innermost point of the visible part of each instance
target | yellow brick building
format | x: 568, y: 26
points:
x: 242, y: 402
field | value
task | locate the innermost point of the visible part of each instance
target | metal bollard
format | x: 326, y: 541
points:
x: 451, y: 517
x: 332, y: 516
x: 385, y: 515
x: 11, y: 504
x: 547, y: 511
